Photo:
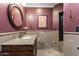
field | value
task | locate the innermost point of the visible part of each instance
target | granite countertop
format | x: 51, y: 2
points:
x: 19, y: 41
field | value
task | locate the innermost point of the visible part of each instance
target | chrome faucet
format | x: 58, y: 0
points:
x: 20, y: 34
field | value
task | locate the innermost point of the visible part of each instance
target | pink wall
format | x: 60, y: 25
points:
x: 71, y: 24
x: 35, y: 14
x: 52, y: 19
x: 4, y: 22
x: 58, y: 8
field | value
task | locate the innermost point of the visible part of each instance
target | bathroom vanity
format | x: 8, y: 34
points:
x: 25, y: 46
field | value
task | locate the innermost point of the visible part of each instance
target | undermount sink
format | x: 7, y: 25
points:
x: 28, y: 37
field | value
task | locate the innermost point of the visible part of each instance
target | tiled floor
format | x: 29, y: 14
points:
x: 48, y: 52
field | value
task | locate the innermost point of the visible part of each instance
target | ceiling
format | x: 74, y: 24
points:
x: 44, y: 5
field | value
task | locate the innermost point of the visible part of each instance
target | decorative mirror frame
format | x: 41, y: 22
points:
x: 9, y: 10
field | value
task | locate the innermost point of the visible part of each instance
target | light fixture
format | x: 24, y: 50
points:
x: 30, y: 17
x: 39, y: 11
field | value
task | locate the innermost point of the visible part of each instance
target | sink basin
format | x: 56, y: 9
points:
x: 28, y: 37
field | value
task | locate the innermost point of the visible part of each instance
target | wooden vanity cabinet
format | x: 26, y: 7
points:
x: 19, y: 50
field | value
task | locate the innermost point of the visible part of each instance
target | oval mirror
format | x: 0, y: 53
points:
x: 15, y: 16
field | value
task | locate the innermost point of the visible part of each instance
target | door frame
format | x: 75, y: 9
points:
x: 62, y: 25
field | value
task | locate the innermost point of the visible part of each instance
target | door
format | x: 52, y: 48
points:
x: 61, y: 26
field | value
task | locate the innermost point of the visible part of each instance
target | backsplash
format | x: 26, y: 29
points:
x: 8, y: 36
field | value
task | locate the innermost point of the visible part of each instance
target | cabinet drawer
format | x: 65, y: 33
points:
x: 17, y: 47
